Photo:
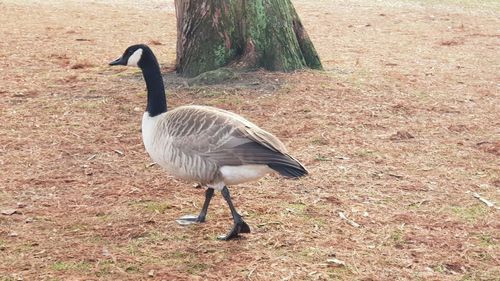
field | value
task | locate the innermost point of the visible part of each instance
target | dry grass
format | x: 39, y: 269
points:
x: 398, y: 131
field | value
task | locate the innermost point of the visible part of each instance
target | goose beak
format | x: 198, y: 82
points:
x: 118, y: 61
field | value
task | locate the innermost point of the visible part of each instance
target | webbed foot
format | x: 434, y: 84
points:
x: 239, y: 227
x: 189, y: 219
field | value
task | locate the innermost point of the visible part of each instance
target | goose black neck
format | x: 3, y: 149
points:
x: 157, y: 101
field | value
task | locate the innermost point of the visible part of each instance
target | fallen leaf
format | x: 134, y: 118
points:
x: 402, y: 135
x: 490, y: 147
x: 8, y: 212
x: 155, y: 42
x: 452, y: 42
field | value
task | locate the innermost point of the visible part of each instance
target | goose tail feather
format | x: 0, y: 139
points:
x: 290, y: 169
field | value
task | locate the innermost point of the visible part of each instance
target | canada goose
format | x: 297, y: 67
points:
x: 204, y: 144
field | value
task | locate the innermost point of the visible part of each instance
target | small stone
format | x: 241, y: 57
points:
x: 105, y: 252
x: 151, y: 273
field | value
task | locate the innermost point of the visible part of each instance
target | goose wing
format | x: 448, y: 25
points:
x: 227, y: 139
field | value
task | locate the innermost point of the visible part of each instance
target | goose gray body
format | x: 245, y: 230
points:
x: 204, y: 144
x: 212, y: 146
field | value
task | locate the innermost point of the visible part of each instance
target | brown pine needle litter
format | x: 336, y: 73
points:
x: 399, y: 127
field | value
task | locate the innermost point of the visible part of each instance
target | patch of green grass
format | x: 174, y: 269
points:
x: 105, y: 268
x: 179, y: 237
x: 321, y: 157
x: 416, y: 276
x: 95, y: 239
x: 467, y: 277
x: 490, y: 274
x: 196, y: 268
x: 76, y: 227
x: 485, y: 240
x: 141, y: 94
x: 24, y: 248
x: 320, y: 141
x: 469, y: 214
x: 226, y: 100
x: 484, y: 256
x: 482, y: 4
x: 135, y: 247
x: 132, y: 268
x: 440, y: 268
x: 339, y: 273
x: 4, y: 195
x: 152, y: 206
x: 366, y: 153
x: 397, y: 238
x: 417, y: 205
x: 124, y: 108
x: 310, y: 253
x: 206, y: 93
x: 89, y: 104
x: 296, y: 208
x: 286, y: 89
x: 318, y: 221
x: 156, y: 236
x: 177, y: 255
x: 71, y: 266
x: 103, y: 216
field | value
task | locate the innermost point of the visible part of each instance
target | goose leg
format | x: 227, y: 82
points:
x: 240, y: 226
x: 190, y: 219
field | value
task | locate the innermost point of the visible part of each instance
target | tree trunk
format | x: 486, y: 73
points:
x: 241, y: 33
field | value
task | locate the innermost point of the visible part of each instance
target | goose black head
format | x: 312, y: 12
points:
x: 134, y: 55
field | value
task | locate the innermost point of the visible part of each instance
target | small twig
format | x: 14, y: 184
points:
x: 118, y: 152
x: 92, y: 157
x: 396, y: 176
x: 419, y: 203
x: 150, y: 165
x: 349, y: 221
x: 251, y: 272
x: 342, y: 157
x: 269, y: 223
x: 485, y: 201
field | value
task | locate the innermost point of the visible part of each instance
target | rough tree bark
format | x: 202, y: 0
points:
x: 242, y: 33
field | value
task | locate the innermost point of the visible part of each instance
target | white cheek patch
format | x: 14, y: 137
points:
x: 135, y: 57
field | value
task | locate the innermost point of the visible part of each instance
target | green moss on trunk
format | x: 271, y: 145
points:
x: 252, y: 34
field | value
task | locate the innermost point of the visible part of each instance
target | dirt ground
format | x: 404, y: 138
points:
x: 398, y: 132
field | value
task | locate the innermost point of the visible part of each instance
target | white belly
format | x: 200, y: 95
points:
x: 239, y: 174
